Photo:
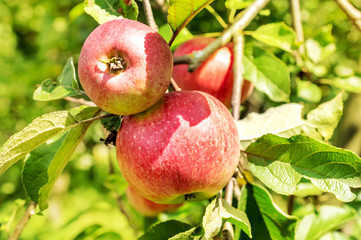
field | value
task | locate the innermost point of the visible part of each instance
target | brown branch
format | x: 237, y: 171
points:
x: 30, y: 211
x: 239, y: 24
x: 352, y: 13
x: 149, y: 15
x: 238, y: 71
x: 80, y: 101
x: 227, y: 230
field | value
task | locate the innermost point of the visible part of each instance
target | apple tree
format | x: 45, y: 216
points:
x: 284, y: 74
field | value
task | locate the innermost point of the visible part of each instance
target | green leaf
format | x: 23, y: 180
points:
x: 277, y: 35
x: 268, y: 221
x: 46, y: 162
x: 166, y: 32
x: 166, y: 230
x: 65, y: 85
x: 280, y: 163
x: 219, y: 211
x: 181, y: 12
x: 286, y: 120
x: 268, y: 73
x: 308, y: 92
x: 322, y: 45
x: 106, y: 10
x: 238, y: 4
x: 111, y: 123
x: 350, y: 84
x: 39, y: 131
x: 313, y: 226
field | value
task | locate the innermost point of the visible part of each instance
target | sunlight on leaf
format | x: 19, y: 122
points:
x: 37, y: 132
x: 268, y: 73
x: 313, y: 226
x: 65, y: 85
x: 286, y: 120
x: 181, y: 12
x: 276, y: 34
x: 280, y: 163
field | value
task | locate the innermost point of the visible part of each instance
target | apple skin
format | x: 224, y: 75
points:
x: 146, y: 207
x: 148, y: 66
x: 213, y: 76
x: 185, y: 148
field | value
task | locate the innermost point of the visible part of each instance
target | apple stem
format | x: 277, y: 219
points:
x: 240, y: 23
x: 174, y: 85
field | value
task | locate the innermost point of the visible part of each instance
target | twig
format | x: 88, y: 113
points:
x: 240, y: 23
x: 149, y: 15
x: 216, y: 15
x: 174, y: 85
x: 238, y: 71
x: 30, y: 211
x: 227, y: 230
x: 297, y: 23
x: 352, y: 13
x: 290, y: 203
x: 80, y: 101
x: 185, y: 59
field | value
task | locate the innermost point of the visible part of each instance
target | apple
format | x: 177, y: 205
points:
x: 213, y: 76
x: 184, y: 148
x: 146, y: 207
x: 125, y: 67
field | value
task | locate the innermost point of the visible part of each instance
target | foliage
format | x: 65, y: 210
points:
x: 286, y: 131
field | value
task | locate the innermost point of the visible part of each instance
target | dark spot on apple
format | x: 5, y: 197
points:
x: 117, y: 64
x: 189, y: 196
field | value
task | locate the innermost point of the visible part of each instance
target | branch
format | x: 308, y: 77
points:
x: 238, y: 71
x: 297, y: 23
x: 227, y: 230
x: 80, y: 101
x: 149, y: 15
x: 174, y: 85
x: 30, y: 211
x: 352, y: 13
x: 239, y: 25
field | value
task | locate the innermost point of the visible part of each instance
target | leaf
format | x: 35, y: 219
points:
x: 268, y: 221
x: 286, y: 120
x: 166, y: 32
x: 350, y: 84
x: 238, y: 4
x: 313, y: 226
x: 308, y: 92
x: 322, y: 45
x: 219, y: 211
x: 39, y: 131
x: 166, y: 230
x: 111, y: 123
x: 106, y: 10
x: 277, y: 35
x: 181, y: 12
x: 280, y: 163
x: 65, y: 85
x: 268, y: 73
x: 46, y: 163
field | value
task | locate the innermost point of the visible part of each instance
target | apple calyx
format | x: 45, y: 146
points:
x: 116, y: 64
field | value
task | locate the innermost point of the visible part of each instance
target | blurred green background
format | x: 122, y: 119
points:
x: 36, y: 39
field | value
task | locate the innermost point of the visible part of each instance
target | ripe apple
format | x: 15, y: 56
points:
x: 125, y: 67
x: 184, y: 148
x: 146, y: 207
x: 213, y: 76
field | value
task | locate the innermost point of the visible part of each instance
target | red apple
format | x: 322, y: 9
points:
x: 146, y: 207
x: 125, y: 67
x: 185, y: 148
x: 213, y: 76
